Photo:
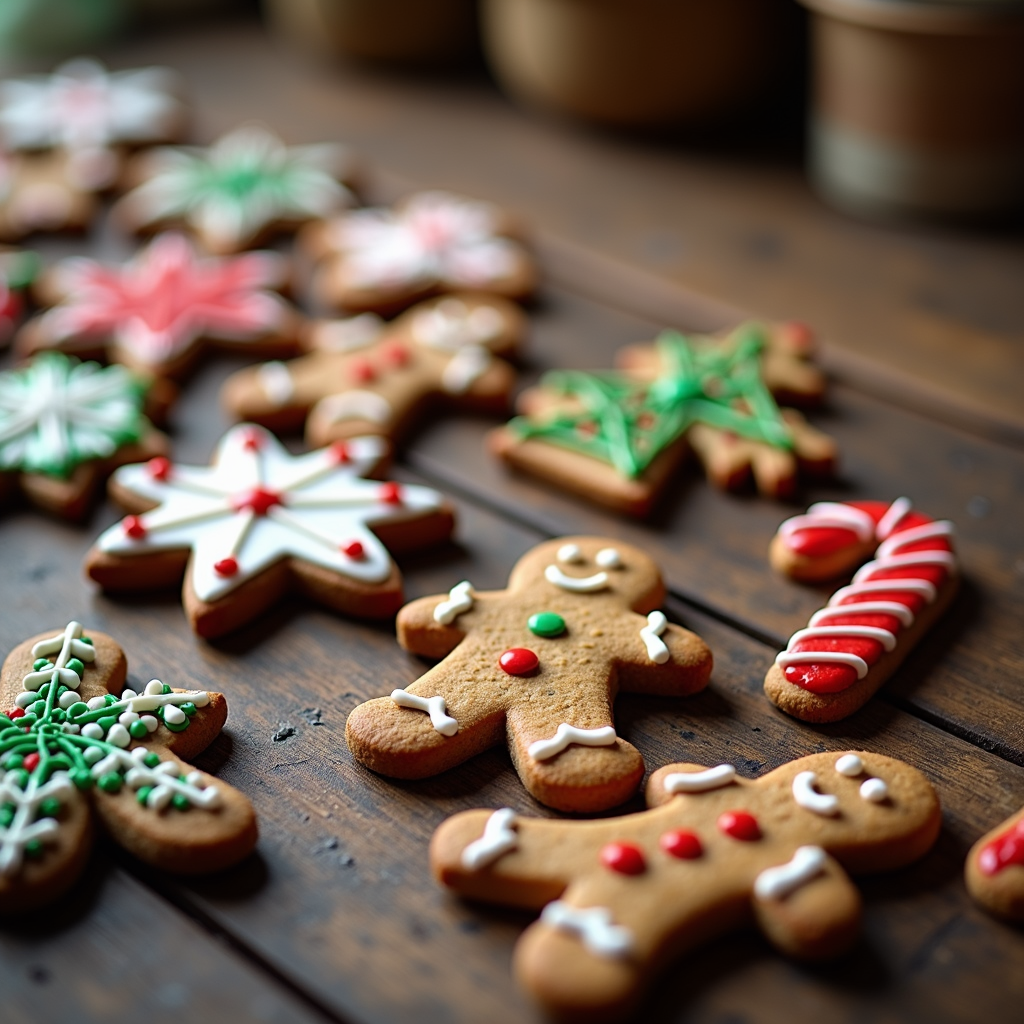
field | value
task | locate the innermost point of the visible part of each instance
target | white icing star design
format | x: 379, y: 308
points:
x: 257, y: 504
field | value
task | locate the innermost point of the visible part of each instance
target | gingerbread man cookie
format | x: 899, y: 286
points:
x: 622, y: 896
x: 995, y: 869
x: 618, y: 438
x: 247, y: 187
x: 157, y: 312
x: 260, y: 523
x: 442, y: 352
x: 537, y: 665
x: 65, y: 426
x: 852, y: 645
x: 384, y: 260
x: 75, y: 740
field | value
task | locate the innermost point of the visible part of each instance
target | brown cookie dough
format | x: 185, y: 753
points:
x: 995, y: 869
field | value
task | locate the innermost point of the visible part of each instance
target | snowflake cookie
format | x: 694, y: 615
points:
x: 157, y: 312
x: 537, y: 666
x: 260, y: 523
x: 622, y: 896
x: 383, y: 260
x: 246, y: 187
x: 75, y: 741
x: 65, y: 426
x: 91, y: 115
x: 618, y: 437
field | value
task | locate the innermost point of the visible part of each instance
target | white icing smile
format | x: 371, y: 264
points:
x: 576, y: 584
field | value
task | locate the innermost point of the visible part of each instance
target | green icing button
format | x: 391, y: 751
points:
x: 546, y: 624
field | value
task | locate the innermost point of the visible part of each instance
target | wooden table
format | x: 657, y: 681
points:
x: 336, y: 916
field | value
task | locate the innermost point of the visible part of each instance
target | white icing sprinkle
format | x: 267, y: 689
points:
x: 576, y: 584
x: 465, y: 368
x: 874, y: 791
x: 345, y: 335
x: 592, y: 926
x: 565, y: 734
x: 499, y: 837
x: 810, y: 799
x: 651, y: 636
x: 700, y: 782
x: 356, y: 404
x: 570, y: 553
x: 435, y: 707
x: 850, y: 765
x: 460, y: 599
x: 276, y: 382
x: 775, y: 883
x: 609, y: 558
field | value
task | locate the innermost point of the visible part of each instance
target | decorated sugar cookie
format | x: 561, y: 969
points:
x: 538, y: 665
x: 91, y: 115
x: 621, y: 896
x: 246, y: 187
x: 852, y: 645
x: 366, y: 378
x: 65, y: 426
x: 39, y: 193
x: 618, y: 438
x: 157, y: 312
x: 260, y: 523
x: 384, y: 260
x: 76, y: 741
x: 995, y: 869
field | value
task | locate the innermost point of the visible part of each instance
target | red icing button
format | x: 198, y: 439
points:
x: 353, y: 549
x: 340, y: 453
x: 1003, y: 851
x: 396, y: 354
x: 16, y: 713
x: 362, y: 371
x: 159, y: 467
x: 31, y: 762
x: 518, y: 661
x: 133, y: 527
x: 740, y: 825
x: 259, y: 499
x: 391, y: 494
x: 625, y: 858
x: 682, y: 844
x: 226, y: 567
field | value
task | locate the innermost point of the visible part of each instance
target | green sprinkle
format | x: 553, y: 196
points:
x: 12, y: 761
x: 57, y: 715
x: 20, y: 778
x: 107, y: 722
x: 137, y: 730
x: 81, y: 777
x: 546, y: 624
x: 49, y: 808
x: 77, y: 667
x: 181, y: 802
x: 142, y: 794
x: 110, y: 699
x: 180, y: 727
x: 110, y: 782
x: 40, y: 663
x: 39, y: 708
x: 166, y: 688
x: 33, y: 848
x: 151, y: 760
x: 86, y: 640
x: 78, y: 708
x: 187, y: 708
x: 6, y: 815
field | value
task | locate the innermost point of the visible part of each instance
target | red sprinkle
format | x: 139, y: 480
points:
x: 16, y: 713
x: 396, y: 354
x: 159, y: 467
x: 625, y: 858
x: 340, y: 453
x: 798, y: 334
x: 259, y: 499
x: 1003, y: 851
x: 682, y: 844
x: 391, y: 494
x: 519, y: 661
x: 253, y: 441
x: 362, y: 370
x: 226, y: 567
x: 30, y: 762
x: 134, y: 527
x: 353, y: 548
x: 740, y: 825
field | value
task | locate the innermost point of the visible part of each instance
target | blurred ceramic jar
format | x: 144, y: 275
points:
x: 397, y: 31
x: 919, y: 105
x: 633, y: 62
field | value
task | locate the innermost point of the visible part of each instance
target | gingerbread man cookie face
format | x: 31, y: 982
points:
x: 995, y: 869
x: 75, y: 740
x: 375, y: 379
x: 537, y: 665
x: 623, y: 895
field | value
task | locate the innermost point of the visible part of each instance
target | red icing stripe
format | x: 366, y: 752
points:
x: 1003, y: 851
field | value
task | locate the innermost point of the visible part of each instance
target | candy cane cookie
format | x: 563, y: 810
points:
x: 853, y: 644
x: 995, y: 869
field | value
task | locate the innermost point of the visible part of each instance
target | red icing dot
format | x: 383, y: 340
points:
x: 799, y: 335
x: 682, y: 844
x: 396, y: 354
x: 740, y: 825
x: 362, y: 370
x: 353, y: 548
x: 159, y: 467
x: 31, y: 762
x: 1003, y: 851
x: 16, y: 713
x: 226, y: 567
x: 518, y: 661
x: 391, y: 494
x: 625, y: 858
x: 340, y: 452
x: 134, y: 527
x: 253, y: 441
x: 259, y: 499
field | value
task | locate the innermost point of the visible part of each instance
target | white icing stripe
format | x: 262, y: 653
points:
x: 592, y: 926
x: 700, y: 782
x: 355, y: 405
x: 465, y: 368
x: 565, y: 734
x: 874, y: 791
x: 926, y: 531
x: 499, y: 837
x: 276, y: 381
x: 914, y: 586
x: 831, y: 514
x: 460, y: 599
x: 776, y: 883
x: 900, y: 611
x: 892, y: 517
x: 657, y: 651
x: 787, y: 658
x: 435, y: 707
x: 943, y: 558
x: 810, y: 799
x: 883, y: 636
x: 576, y: 584
x: 850, y: 765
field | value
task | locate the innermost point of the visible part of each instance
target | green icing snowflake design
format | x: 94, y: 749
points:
x: 241, y: 185
x: 52, y: 743
x: 627, y: 422
x: 57, y: 413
